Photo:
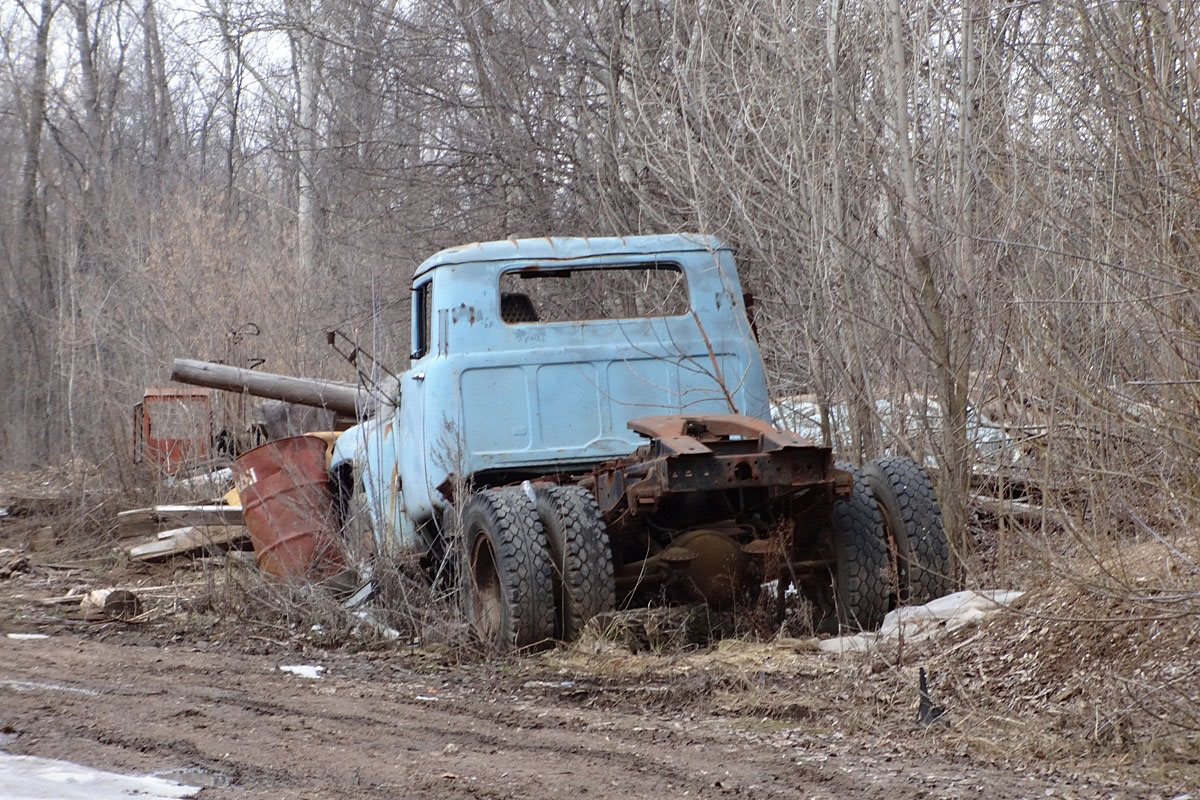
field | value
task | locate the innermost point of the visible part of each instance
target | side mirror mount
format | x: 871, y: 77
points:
x: 748, y: 302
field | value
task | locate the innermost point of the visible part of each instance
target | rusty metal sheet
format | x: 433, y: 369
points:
x: 797, y: 468
x: 712, y: 427
x: 684, y: 445
x: 700, y: 426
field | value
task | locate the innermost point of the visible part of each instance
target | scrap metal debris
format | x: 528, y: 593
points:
x: 927, y: 712
x: 11, y: 563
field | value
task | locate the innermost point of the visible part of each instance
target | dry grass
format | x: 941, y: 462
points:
x: 1088, y: 664
x: 1102, y: 665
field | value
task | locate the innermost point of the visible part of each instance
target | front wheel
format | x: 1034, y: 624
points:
x: 508, y: 580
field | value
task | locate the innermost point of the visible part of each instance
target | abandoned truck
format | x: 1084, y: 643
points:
x: 585, y: 423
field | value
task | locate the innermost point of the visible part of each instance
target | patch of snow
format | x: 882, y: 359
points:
x: 390, y: 634
x: 33, y: 778
x: 29, y: 636
x: 304, y: 670
x: 33, y: 686
x: 921, y: 622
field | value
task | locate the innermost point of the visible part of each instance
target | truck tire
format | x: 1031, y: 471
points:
x: 863, y: 581
x: 508, y: 579
x: 914, y: 519
x: 582, y: 558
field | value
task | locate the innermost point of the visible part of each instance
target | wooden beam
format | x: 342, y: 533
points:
x: 188, y: 539
x: 148, y: 521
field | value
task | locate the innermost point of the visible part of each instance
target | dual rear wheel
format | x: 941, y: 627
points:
x: 538, y: 565
x: 890, y: 546
x: 906, y: 499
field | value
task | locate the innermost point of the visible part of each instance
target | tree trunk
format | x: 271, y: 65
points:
x: 93, y: 129
x: 34, y: 253
x: 951, y: 387
x: 306, y: 142
x: 33, y: 234
x: 859, y: 402
x: 158, y: 94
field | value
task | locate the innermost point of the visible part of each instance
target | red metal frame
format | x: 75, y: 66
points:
x: 173, y: 426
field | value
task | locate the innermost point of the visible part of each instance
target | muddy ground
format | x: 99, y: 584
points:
x: 374, y: 728
x: 201, y: 702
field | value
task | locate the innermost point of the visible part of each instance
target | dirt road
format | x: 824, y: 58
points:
x: 372, y: 728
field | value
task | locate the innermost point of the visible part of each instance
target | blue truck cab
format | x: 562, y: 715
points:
x: 531, y: 356
x: 584, y: 426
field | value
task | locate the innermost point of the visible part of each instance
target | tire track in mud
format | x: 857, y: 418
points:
x: 269, y: 734
x: 273, y: 732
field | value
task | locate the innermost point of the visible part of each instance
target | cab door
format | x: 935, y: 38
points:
x: 409, y: 484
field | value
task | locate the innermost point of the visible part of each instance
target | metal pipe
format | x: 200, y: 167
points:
x: 344, y: 398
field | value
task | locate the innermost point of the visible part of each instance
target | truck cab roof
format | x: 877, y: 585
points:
x: 564, y: 248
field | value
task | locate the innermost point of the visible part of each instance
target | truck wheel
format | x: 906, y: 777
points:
x: 579, y: 548
x: 863, y: 581
x: 508, y: 581
x: 914, y: 519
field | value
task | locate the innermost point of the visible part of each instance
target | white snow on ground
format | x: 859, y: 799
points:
x: 34, y: 686
x: 28, y: 636
x: 920, y: 622
x: 32, y: 778
x: 304, y: 670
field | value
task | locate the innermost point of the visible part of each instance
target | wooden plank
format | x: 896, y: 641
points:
x: 1016, y: 509
x: 186, y: 540
x: 147, y: 521
x: 987, y: 478
x: 162, y: 590
x: 72, y: 599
